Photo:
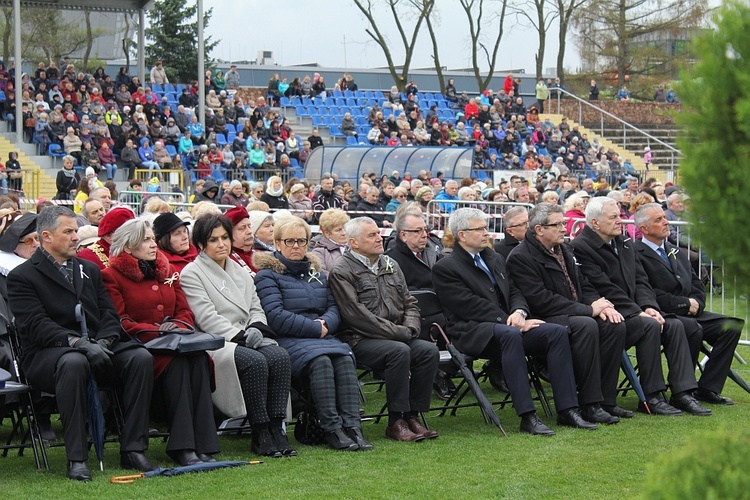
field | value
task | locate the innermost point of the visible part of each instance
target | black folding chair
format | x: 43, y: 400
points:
x: 22, y: 414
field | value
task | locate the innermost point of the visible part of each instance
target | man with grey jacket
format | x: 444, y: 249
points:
x: 381, y: 322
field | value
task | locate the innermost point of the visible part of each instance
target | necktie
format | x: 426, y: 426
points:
x: 663, y: 254
x: 419, y: 256
x: 481, y: 265
x: 613, y: 243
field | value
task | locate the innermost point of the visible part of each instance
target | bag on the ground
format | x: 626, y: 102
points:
x: 307, y: 430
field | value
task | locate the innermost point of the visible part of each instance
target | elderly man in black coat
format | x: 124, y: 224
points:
x: 487, y: 318
x: 611, y: 265
x: 544, y: 269
x: 679, y: 291
x: 43, y: 293
x: 515, y: 224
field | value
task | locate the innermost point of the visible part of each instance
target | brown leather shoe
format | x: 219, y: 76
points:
x: 400, y: 431
x: 417, y: 428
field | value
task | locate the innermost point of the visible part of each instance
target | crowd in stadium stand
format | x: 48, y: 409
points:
x: 295, y: 276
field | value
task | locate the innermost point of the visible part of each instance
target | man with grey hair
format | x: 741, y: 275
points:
x: 359, y: 196
x: 93, y: 211
x: 544, y: 269
x: 515, y: 224
x: 488, y: 318
x: 102, y: 195
x: 449, y: 193
x: 370, y: 204
x: 381, y: 322
x: 44, y: 293
x: 611, y: 265
x: 680, y: 291
x: 414, y: 188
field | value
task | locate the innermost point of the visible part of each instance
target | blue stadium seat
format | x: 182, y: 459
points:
x: 56, y: 151
x: 348, y: 93
x: 169, y: 88
x: 358, y: 94
x: 362, y: 130
x: 387, y: 112
x: 337, y: 93
x: 284, y: 102
x: 179, y: 87
x: 369, y: 94
x: 171, y: 150
x: 356, y: 112
x: 317, y: 121
x: 428, y: 96
x: 344, y: 110
x: 306, y: 101
x: 442, y: 104
x: 324, y: 111
x: 379, y: 95
x: 301, y: 111
x: 351, y: 141
x: 217, y: 175
x: 220, y: 139
x: 335, y: 131
x: 156, y: 87
x: 339, y: 101
x: 231, y: 136
x: 363, y: 103
x: 351, y: 101
x: 313, y: 110
x: 332, y: 120
x: 362, y: 120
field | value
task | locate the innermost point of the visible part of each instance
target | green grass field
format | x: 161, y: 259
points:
x: 469, y: 460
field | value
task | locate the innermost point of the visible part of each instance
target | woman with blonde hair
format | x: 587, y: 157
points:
x: 575, y: 208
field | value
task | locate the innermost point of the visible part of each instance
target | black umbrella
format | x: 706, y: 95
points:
x: 627, y: 367
x: 199, y: 467
x: 459, y: 359
x: 93, y: 403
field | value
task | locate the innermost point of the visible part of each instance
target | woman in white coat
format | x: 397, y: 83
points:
x: 252, y: 372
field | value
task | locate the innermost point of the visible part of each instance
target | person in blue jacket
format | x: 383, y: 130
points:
x: 301, y: 310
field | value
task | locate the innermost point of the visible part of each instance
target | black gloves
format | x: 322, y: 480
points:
x: 97, y: 355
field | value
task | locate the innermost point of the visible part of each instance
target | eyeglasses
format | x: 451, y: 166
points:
x: 520, y: 224
x: 480, y: 229
x: 417, y: 231
x: 558, y: 225
x: 30, y: 240
x: 290, y: 242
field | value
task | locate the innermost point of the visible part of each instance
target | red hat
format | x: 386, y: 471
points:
x: 237, y: 214
x: 114, y: 219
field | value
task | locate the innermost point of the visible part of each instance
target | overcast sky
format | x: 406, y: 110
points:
x: 315, y: 31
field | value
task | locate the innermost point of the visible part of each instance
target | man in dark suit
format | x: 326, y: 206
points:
x: 679, y: 291
x: 515, y: 224
x: 416, y: 255
x: 43, y: 293
x: 544, y: 269
x: 611, y: 265
x: 487, y: 318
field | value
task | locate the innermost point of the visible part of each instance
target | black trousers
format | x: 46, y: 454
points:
x: 612, y: 338
x: 265, y: 377
x: 133, y: 378
x: 645, y: 335
x: 722, y: 334
x: 681, y: 375
x: 592, y: 344
x: 548, y: 340
x: 409, y: 370
x: 183, y: 391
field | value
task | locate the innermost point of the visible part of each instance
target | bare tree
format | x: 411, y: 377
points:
x: 539, y: 14
x: 565, y: 11
x: 435, y: 51
x: 399, y: 9
x: 89, y: 40
x: 7, y: 28
x: 474, y: 10
x: 623, y: 35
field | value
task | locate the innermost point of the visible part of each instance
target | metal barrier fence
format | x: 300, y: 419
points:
x: 25, y: 185
x: 166, y: 177
x: 134, y: 199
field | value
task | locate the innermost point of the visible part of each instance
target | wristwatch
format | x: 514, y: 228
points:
x: 522, y: 313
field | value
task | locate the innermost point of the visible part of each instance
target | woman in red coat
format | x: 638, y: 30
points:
x: 173, y: 239
x: 146, y: 292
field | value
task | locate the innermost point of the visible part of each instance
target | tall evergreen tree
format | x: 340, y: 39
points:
x: 172, y: 38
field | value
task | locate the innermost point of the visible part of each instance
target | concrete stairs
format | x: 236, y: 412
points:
x: 625, y: 154
x: 40, y: 179
x: 662, y: 157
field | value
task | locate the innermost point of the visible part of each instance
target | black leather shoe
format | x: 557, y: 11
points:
x: 711, y: 397
x: 532, y: 424
x: 658, y: 406
x: 689, y: 404
x: 135, y: 460
x: 45, y: 428
x: 443, y: 386
x: 494, y: 371
x: 597, y: 415
x: 572, y: 418
x: 618, y: 412
x: 204, y: 457
x: 263, y: 444
x: 79, y: 471
x: 281, y: 441
x: 355, y: 433
x: 340, y: 441
x: 184, y: 457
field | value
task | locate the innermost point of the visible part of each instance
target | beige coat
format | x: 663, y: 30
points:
x: 224, y: 302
